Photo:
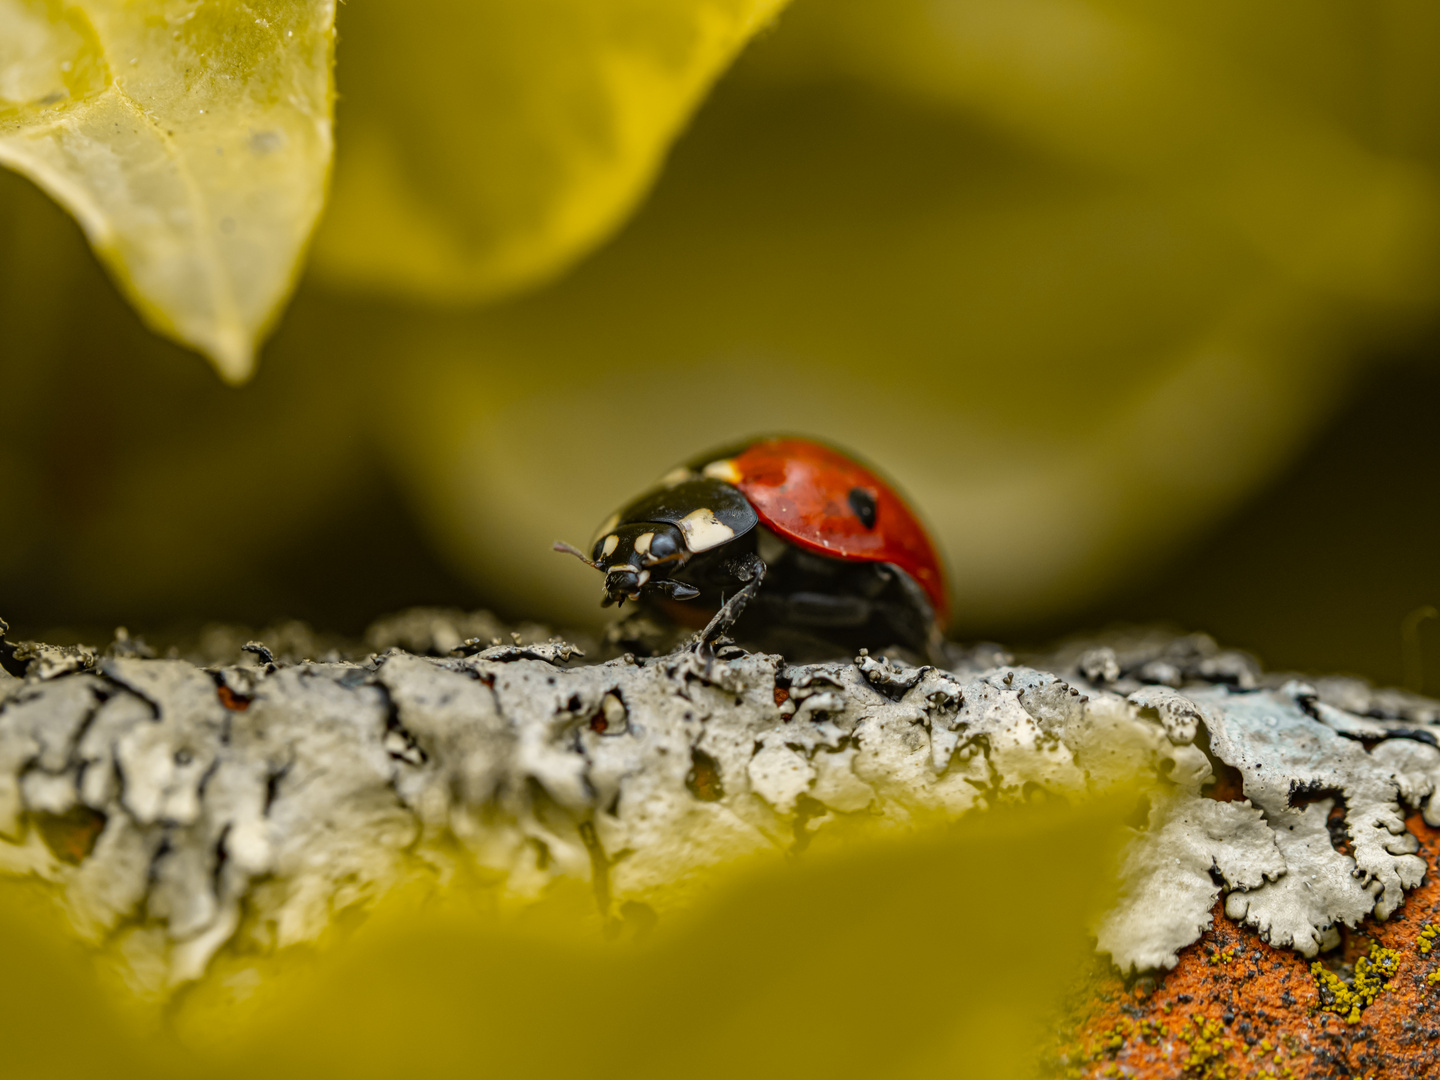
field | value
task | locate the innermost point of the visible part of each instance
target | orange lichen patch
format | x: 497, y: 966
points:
x: 232, y: 700
x: 1228, y: 785
x: 1234, y: 1008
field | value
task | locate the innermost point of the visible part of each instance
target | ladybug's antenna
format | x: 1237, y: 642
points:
x: 570, y: 549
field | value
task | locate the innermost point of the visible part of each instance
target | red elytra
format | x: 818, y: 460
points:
x: 799, y: 490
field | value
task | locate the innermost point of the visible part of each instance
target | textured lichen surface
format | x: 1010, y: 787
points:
x: 1235, y: 1007
x: 179, y: 807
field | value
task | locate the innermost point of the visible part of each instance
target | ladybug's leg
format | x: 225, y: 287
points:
x: 749, y: 569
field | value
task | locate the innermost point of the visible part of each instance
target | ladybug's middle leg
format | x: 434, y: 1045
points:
x: 749, y: 569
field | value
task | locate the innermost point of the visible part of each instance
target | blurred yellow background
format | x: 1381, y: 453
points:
x: 893, y: 954
x: 1136, y: 302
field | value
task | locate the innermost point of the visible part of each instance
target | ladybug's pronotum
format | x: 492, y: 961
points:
x: 838, y: 551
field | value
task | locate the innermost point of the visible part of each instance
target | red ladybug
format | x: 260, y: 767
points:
x: 838, y: 551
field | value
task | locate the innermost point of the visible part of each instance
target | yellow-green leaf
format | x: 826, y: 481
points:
x: 486, y: 144
x: 190, y: 138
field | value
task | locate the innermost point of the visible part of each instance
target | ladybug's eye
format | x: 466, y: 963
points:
x: 663, y: 545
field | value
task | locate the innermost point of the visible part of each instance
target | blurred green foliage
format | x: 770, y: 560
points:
x: 488, y: 144
x: 1079, y: 274
x: 944, y: 951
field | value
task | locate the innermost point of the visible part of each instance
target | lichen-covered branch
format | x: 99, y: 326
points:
x: 178, y: 807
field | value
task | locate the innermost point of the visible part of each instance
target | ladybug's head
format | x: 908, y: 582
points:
x: 636, y: 558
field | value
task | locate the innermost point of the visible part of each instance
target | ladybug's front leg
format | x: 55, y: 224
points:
x: 749, y: 569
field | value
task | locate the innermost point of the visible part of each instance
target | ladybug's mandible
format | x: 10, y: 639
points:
x: 838, y: 551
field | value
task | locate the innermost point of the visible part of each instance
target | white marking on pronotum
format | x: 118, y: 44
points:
x: 703, y: 530
x: 642, y: 543
x: 676, y: 476
x: 611, y: 543
x: 724, y: 469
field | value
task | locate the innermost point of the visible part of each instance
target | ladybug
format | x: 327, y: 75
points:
x: 839, y: 553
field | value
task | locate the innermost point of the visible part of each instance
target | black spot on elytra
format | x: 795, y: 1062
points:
x: 863, y: 503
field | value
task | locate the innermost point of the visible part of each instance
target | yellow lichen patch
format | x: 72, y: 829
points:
x: 1426, y: 941
x: 1222, y: 956
x: 1151, y: 1031
x: 1111, y: 1041
x: 1209, y: 1050
x: 1372, y: 973
x: 1275, y: 1068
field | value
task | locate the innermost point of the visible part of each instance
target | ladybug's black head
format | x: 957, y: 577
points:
x: 639, y: 557
x: 636, y: 556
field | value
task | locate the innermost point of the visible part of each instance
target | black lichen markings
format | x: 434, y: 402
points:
x: 261, y: 650
x: 889, y: 679
x: 1303, y: 795
x: 1227, y: 783
x: 633, y: 916
x: 71, y: 836
x: 8, y: 663
x: 599, y: 866
x: 398, y: 742
x: 703, y: 779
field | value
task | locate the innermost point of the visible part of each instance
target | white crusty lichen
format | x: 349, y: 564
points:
x: 179, y: 808
x: 1301, y: 758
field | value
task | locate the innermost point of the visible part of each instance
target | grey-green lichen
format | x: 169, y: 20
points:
x: 177, y: 807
